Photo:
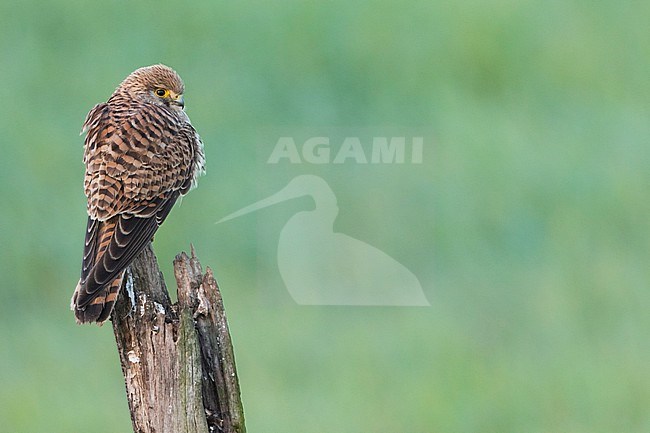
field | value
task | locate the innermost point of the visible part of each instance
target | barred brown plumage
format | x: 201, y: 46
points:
x: 141, y: 153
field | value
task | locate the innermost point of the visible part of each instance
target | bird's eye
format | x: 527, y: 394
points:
x: 162, y: 92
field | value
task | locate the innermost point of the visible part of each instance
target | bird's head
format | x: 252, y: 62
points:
x: 157, y: 84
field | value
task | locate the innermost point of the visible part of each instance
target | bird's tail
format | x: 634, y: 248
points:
x: 99, y: 308
x: 93, y: 302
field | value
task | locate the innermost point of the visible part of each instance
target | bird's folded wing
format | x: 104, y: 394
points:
x: 90, y: 247
x: 128, y: 236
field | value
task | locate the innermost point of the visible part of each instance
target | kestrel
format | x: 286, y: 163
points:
x: 141, y: 153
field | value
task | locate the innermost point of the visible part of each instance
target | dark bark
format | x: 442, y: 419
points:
x: 177, y: 359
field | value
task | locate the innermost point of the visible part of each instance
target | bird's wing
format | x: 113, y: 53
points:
x: 136, y: 168
x: 117, y: 242
x: 136, y: 158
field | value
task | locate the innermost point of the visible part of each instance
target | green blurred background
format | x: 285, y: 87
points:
x: 527, y: 223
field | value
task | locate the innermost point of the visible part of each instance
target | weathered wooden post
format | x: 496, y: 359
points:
x: 177, y: 359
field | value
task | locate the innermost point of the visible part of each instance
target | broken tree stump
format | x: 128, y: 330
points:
x: 177, y: 359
